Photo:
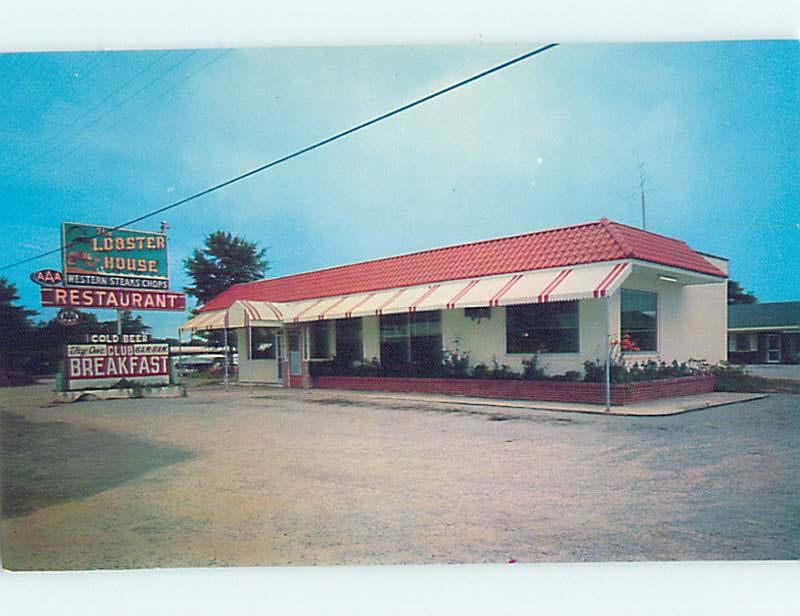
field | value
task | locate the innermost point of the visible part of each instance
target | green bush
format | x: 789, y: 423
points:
x: 531, y: 370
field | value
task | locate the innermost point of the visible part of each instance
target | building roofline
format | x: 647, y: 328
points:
x: 616, y: 234
x: 426, y: 251
x: 713, y: 256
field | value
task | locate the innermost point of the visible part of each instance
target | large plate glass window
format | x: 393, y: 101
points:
x: 394, y: 340
x: 426, y: 340
x: 319, y: 340
x: 412, y: 338
x: 542, y: 328
x: 349, y: 346
x: 639, y: 318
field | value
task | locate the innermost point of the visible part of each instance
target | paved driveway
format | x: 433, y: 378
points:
x: 776, y: 371
x: 292, y: 477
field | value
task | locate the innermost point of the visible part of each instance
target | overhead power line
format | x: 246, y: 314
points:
x: 309, y: 148
x: 128, y: 117
x: 86, y: 113
x: 83, y: 73
x: 125, y: 101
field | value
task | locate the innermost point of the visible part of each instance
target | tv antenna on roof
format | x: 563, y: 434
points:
x: 642, y: 182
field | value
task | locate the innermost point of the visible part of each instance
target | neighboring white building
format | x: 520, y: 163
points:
x: 561, y: 293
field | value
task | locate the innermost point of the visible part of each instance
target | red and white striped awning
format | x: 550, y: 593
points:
x: 248, y: 313
x: 556, y: 285
x: 541, y: 286
x: 205, y: 321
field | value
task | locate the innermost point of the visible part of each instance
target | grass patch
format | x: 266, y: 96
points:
x: 47, y: 463
x: 737, y: 380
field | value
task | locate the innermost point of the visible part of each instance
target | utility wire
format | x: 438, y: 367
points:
x: 88, y: 112
x: 120, y: 104
x: 84, y: 72
x: 143, y: 107
x: 306, y: 149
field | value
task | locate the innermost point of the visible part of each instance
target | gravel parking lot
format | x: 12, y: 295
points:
x: 276, y: 477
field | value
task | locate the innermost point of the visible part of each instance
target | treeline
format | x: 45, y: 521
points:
x: 36, y: 348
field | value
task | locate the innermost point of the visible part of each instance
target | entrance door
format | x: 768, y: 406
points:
x: 295, y: 359
x: 773, y: 348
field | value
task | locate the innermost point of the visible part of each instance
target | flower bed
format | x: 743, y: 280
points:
x: 540, y: 390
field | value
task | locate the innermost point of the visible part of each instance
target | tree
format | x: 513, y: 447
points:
x: 225, y: 260
x: 737, y: 295
x: 15, y: 328
x: 130, y: 325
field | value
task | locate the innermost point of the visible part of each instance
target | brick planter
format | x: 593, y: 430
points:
x: 545, y: 391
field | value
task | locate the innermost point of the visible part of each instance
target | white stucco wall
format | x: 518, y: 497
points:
x: 692, y: 319
x: 255, y: 370
x: 370, y: 332
x: 486, y: 340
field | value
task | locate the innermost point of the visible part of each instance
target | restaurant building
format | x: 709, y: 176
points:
x: 565, y: 295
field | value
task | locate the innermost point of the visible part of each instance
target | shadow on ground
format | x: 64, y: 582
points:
x: 46, y: 463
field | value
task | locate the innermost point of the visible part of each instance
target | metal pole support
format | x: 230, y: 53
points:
x: 225, y: 338
x: 608, y: 353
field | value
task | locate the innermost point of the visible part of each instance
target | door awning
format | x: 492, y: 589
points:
x: 205, y: 321
x: 249, y: 313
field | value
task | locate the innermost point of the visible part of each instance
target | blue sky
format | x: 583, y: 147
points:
x: 553, y: 141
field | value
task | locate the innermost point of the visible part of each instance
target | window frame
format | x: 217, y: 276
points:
x: 749, y: 346
x: 251, y: 344
x: 656, y: 329
x: 534, y: 307
x: 405, y: 322
x: 338, y: 327
x: 313, y: 330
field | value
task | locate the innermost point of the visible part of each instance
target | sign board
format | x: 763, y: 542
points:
x: 118, y: 299
x: 96, y: 256
x: 47, y: 277
x: 104, y: 365
x: 116, y: 338
x: 68, y: 317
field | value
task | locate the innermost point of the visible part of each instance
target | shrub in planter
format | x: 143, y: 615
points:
x: 571, y: 376
x: 501, y: 372
x: 481, y: 371
x: 455, y: 364
x: 531, y: 370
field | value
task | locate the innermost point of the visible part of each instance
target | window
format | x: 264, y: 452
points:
x: 542, y: 328
x: 319, y: 340
x: 263, y: 345
x: 411, y: 338
x: 639, y: 316
x: 394, y: 340
x: 426, y: 339
x: 743, y: 342
x: 349, y: 346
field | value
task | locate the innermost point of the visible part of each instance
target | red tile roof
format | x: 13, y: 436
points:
x: 592, y: 242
